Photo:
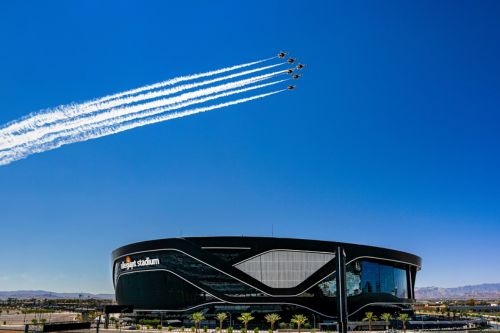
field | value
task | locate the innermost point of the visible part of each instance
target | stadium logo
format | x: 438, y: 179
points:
x: 129, y: 264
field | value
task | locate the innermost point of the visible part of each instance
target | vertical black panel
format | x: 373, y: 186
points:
x: 341, y: 290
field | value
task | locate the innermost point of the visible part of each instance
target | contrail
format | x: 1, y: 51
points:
x: 75, y: 131
x: 137, y: 107
x: 39, y: 119
x: 180, y: 79
x: 39, y: 133
x: 166, y: 92
x: 9, y: 158
x: 84, y: 109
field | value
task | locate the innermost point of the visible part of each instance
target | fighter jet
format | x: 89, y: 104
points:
x: 295, y: 76
x: 289, y: 71
x: 291, y: 87
x: 281, y: 54
x: 291, y: 60
x: 300, y: 66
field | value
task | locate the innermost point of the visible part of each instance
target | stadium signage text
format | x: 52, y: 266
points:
x: 128, y: 264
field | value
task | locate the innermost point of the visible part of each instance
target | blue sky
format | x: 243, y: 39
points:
x: 391, y: 139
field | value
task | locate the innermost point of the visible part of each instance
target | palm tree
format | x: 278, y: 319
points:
x: 454, y: 312
x: 271, y: 318
x: 197, y: 317
x: 403, y: 317
x: 369, y: 317
x: 299, y: 320
x: 386, y: 317
x: 245, y: 319
x: 221, y: 316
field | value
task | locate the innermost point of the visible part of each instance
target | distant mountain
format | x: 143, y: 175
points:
x: 490, y: 291
x: 42, y: 294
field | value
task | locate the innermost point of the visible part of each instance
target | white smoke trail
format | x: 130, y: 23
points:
x: 180, y: 79
x: 6, y: 159
x: 76, y: 131
x: 83, y: 109
x: 166, y: 92
x: 40, y: 118
x: 11, y: 142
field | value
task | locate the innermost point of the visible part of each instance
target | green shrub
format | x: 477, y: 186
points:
x: 307, y: 326
x: 205, y: 329
x: 138, y: 327
x: 182, y: 328
x: 148, y: 327
x: 159, y: 327
x: 193, y: 328
x: 170, y: 328
x: 150, y: 322
x: 283, y: 325
x: 256, y: 330
x: 269, y: 331
x: 229, y: 329
x: 243, y: 330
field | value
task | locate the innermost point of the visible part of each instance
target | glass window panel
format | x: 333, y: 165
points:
x: 376, y: 278
x: 370, y: 277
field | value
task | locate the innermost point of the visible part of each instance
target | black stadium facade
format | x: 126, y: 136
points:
x: 328, y: 280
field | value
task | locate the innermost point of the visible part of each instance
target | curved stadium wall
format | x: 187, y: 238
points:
x: 259, y: 274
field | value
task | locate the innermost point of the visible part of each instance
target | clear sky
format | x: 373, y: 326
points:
x: 391, y: 139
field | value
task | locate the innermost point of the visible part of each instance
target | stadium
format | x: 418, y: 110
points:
x: 328, y: 281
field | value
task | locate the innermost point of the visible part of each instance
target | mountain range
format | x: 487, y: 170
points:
x: 490, y: 291
x: 42, y: 294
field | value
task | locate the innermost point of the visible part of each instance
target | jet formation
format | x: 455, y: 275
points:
x: 290, y: 71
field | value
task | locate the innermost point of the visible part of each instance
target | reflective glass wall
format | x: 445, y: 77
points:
x: 365, y: 277
x: 373, y: 277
